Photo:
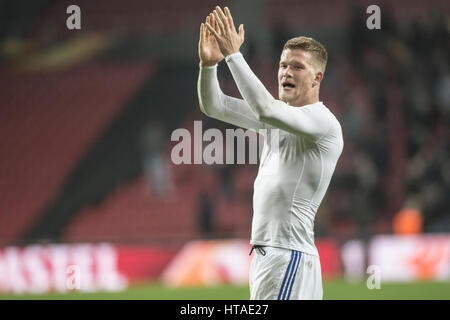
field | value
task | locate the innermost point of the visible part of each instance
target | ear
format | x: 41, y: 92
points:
x: 317, y: 78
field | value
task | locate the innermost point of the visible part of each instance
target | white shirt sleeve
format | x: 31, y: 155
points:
x: 310, y: 120
x: 214, y: 103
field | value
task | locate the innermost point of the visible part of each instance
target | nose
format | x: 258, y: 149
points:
x: 287, y: 72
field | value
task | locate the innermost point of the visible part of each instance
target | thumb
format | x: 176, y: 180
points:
x: 241, y: 30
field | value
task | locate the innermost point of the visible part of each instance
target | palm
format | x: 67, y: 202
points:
x: 208, y: 49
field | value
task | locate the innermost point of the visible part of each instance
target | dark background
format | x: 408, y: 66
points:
x: 86, y: 118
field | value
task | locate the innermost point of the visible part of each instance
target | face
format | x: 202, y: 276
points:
x: 296, y: 77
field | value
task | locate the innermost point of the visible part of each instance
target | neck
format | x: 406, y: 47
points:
x: 303, y: 101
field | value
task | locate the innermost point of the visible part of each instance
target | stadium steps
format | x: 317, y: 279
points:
x: 47, y: 122
x: 133, y: 213
x: 115, y: 159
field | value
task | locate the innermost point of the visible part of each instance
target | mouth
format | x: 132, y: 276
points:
x: 287, y: 85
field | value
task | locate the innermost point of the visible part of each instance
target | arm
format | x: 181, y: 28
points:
x: 211, y: 98
x: 214, y: 103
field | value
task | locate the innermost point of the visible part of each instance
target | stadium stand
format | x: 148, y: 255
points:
x: 48, y: 121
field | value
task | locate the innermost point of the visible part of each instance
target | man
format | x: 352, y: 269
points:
x: 286, y: 263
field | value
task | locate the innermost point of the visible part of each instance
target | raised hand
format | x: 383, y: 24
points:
x: 224, y: 32
x: 208, y: 50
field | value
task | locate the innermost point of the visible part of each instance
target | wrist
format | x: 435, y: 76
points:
x: 208, y: 64
x: 231, y: 55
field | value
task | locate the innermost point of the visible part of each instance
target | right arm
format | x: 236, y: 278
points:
x: 214, y: 103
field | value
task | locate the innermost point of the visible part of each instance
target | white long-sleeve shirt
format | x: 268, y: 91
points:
x: 294, y: 174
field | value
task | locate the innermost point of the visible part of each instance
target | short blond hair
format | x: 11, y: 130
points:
x: 315, y: 48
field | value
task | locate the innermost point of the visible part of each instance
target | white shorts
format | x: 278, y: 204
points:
x: 283, y: 274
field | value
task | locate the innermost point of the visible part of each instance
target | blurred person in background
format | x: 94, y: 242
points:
x: 156, y: 166
x: 408, y: 221
x: 294, y: 175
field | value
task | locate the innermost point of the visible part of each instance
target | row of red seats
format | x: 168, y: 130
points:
x: 134, y: 212
x: 47, y: 122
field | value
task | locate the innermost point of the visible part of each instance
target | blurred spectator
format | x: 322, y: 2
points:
x: 156, y: 164
x: 408, y: 220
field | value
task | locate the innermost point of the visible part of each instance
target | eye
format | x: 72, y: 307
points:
x: 283, y: 66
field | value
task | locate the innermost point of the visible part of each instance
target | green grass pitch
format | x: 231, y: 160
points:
x: 333, y: 290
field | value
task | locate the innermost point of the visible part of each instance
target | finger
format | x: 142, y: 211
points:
x: 214, y: 23
x: 230, y: 18
x: 222, y: 16
x: 208, y: 20
x: 219, y: 22
x: 241, y: 31
x: 202, y: 33
x: 217, y: 28
x: 213, y: 32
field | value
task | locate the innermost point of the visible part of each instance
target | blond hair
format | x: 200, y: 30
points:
x: 318, y: 52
